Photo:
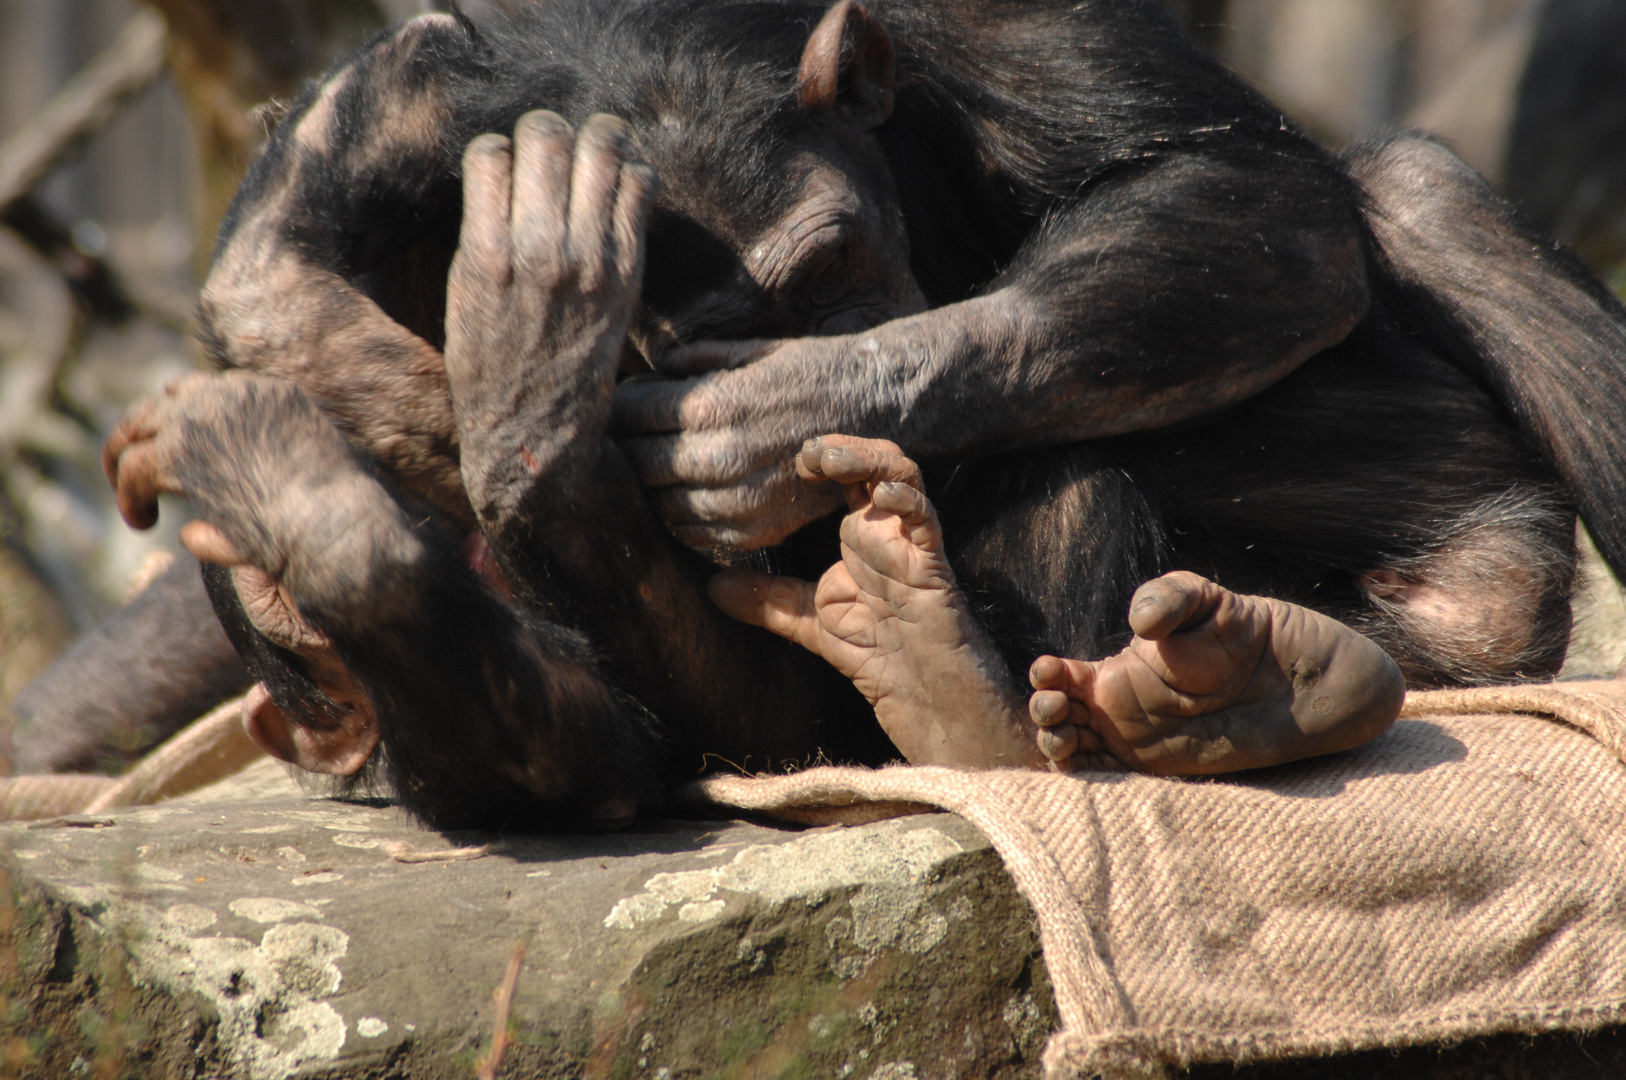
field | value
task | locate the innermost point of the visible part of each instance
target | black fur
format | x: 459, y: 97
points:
x: 1084, y: 158
x: 1230, y: 351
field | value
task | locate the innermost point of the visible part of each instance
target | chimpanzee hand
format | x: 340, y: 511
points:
x: 714, y: 450
x: 891, y: 617
x: 275, y: 483
x: 538, y: 302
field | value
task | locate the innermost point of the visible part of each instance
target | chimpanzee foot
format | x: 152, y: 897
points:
x: 891, y: 617
x: 1214, y: 682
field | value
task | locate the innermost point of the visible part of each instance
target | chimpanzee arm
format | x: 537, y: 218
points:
x: 1172, y: 290
x: 487, y: 715
x: 343, y: 179
x: 538, y: 302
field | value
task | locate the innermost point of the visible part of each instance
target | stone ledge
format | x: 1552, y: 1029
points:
x: 279, y: 936
x: 253, y: 932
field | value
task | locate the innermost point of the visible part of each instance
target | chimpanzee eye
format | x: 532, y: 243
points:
x: 827, y: 282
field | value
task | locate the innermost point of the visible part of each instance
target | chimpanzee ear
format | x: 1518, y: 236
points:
x: 848, y: 66
x: 337, y: 751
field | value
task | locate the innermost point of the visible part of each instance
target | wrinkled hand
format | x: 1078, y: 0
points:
x: 713, y: 447
x: 274, y: 483
x: 539, y: 298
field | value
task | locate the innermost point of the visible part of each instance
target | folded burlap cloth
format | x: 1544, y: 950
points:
x: 1464, y: 874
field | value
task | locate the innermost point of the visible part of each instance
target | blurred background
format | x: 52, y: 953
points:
x: 125, y: 126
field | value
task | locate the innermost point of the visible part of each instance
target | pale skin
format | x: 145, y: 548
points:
x: 1213, y: 681
x: 891, y: 617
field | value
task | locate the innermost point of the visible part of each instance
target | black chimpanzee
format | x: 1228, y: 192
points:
x: 1127, y: 317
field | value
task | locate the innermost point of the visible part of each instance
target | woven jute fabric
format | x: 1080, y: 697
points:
x: 207, y: 750
x: 1464, y: 874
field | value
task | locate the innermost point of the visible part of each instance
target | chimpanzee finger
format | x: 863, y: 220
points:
x: 634, y: 201
x: 488, y: 181
x: 542, y: 151
x: 748, y: 532
x: 754, y: 495
x: 655, y: 406
x: 1171, y: 603
x: 138, y: 424
x: 138, y: 479
x: 847, y: 459
x: 690, y: 458
x: 602, y: 145
x: 646, y: 405
x: 781, y: 604
x: 704, y: 356
x: 908, y: 503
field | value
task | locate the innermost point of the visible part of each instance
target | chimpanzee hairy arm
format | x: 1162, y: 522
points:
x: 538, y: 301
x: 485, y: 711
x: 1120, y: 317
x: 1182, y: 267
x: 147, y: 671
x: 1201, y: 256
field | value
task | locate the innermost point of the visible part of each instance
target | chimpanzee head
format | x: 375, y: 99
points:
x: 778, y: 215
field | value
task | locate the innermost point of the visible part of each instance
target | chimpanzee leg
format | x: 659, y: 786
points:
x: 1212, y: 682
x: 154, y: 666
x: 1050, y: 545
x: 1490, y: 605
x: 1448, y: 540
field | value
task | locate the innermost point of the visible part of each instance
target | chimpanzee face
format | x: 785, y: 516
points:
x: 827, y: 254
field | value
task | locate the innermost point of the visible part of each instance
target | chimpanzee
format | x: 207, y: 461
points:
x: 1127, y: 318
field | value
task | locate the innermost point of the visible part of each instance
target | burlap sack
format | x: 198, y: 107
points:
x: 1462, y: 875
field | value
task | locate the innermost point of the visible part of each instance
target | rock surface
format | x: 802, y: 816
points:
x: 284, y: 935
x: 251, y: 931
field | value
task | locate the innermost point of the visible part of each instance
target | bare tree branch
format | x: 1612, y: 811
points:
x: 83, y: 107
x: 95, y: 283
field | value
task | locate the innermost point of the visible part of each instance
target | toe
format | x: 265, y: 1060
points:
x: 1058, y: 743
x: 1171, y: 603
x: 1050, y: 707
x: 1048, y: 673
